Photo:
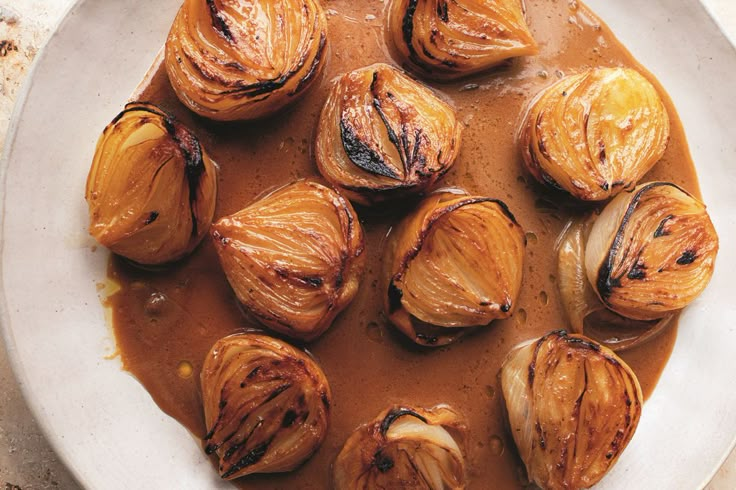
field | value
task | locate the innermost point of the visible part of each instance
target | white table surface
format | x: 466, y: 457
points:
x: 26, y: 460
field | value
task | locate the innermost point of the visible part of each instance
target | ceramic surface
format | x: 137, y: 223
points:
x: 105, y: 425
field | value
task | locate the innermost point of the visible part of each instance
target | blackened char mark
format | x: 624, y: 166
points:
x: 395, y: 414
x: 442, y: 10
x: 361, y: 154
x: 153, y: 216
x: 193, y: 162
x: 407, y: 28
x: 661, y: 231
x: 687, y: 257
x: 253, y: 456
x: 382, y: 462
x: 218, y: 22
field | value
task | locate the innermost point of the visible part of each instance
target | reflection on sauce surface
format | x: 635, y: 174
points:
x: 166, y: 321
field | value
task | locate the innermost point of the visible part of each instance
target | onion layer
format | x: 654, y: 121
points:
x: 244, y: 59
x: 572, y: 406
x: 586, y: 313
x: 382, y: 135
x: 651, y: 251
x: 595, y: 134
x: 294, y: 258
x: 151, y: 190
x: 450, y: 39
x: 404, y: 448
x: 266, y: 405
x: 455, y: 262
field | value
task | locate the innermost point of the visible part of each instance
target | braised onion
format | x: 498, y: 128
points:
x: 596, y: 133
x: 572, y: 406
x: 404, y: 448
x: 651, y: 251
x: 151, y: 189
x: 243, y: 59
x: 455, y: 262
x: 294, y: 258
x: 451, y: 39
x: 382, y: 135
x: 266, y: 405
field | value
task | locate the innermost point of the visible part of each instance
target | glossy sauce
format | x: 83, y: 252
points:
x: 165, y: 321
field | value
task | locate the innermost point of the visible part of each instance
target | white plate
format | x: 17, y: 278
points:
x: 102, y: 422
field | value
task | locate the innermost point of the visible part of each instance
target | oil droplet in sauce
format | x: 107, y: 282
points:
x: 185, y: 369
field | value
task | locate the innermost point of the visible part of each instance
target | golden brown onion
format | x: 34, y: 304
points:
x: 572, y: 407
x: 382, y: 135
x: 244, y: 59
x: 455, y: 262
x: 152, y: 189
x: 404, y: 448
x: 586, y: 313
x: 294, y: 258
x: 651, y: 251
x: 596, y: 133
x: 266, y: 405
x: 447, y: 39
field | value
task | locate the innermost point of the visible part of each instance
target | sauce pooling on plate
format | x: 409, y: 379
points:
x: 166, y: 321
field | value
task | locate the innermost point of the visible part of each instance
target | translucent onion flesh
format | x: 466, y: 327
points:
x: 382, y: 135
x: 243, y: 59
x: 572, y: 406
x: 596, y: 133
x: 404, y: 448
x: 450, y: 39
x: 152, y: 189
x: 294, y: 258
x: 586, y: 313
x: 266, y: 405
x: 651, y: 251
x: 455, y: 262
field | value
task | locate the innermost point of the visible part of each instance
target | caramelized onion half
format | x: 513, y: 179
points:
x: 572, y: 406
x: 294, y: 258
x: 151, y: 190
x: 382, y: 135
x: 243, y: 59
x: 586, y: 313
x: 596, y: 133
x: 651, y: 251
x: 266, y: 405
x: 404, y: 448
x: 455, y: 262
x: 448, y: 39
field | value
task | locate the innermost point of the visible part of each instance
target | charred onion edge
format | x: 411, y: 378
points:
x: 604, y: 282
x: 188, y: 145
x: 264, y: 86
x: 395, y: 294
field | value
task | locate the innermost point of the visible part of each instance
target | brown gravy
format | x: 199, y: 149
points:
x: 166, y: 321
